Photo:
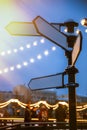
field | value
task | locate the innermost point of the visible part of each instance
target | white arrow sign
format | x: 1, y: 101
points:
x: 47, y: 82
x: 77, y: 48
x: 50, y: 32
x: 22, y: 29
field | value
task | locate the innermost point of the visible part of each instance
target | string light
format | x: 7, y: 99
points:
x: 42, y: 40
x: 46, y: 52
x: 25, y: 63
x: 39, y: 56
x: 37, y: 104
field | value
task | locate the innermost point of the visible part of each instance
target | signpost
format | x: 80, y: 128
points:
x: 47, y: 82
x: 57, y: 37
x: 25, y: 28
x: 40, y: 27
x: 22, y: 29
x: 77, y: 48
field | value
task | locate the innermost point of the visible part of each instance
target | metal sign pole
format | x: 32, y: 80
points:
x: 72, y: 97
x: 71, y: 71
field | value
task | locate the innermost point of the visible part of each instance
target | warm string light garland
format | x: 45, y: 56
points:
x: 37, y: 104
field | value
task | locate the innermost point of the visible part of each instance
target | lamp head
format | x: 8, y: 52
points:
x: 84, y: 22
x: 70, y: 24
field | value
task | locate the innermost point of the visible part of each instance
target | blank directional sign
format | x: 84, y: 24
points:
x: 50, y: 32
x: 47, y: 82
x: 22, y: 29
x: 77, y: 48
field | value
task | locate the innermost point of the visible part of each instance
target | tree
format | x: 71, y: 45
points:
x: 22, y: 91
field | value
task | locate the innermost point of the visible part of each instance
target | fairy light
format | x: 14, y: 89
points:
x: 86, y: 30
x: 37, y: 104
x: 6, y: 70
x: 53, y: 48
x: 9, y: 52
x: 39, y: 56
x: 65, y: 30
x: 12, y: 68
x: 21, y: 48
x: 77, y: 31
x: 28, y: 46
x: 2, y: 53
x: 25, y: 63
x: 0, y: 72
x: 32, y: 60
x: 42, y: 40
x: 35, y: 43
x: 15, y: 50
x: 46, y: 52
x: 18, y: 66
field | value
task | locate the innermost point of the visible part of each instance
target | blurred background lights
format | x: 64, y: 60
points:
x: 21, y: 48
x: 2, y: 53
x: 86, y: 30
x: 39, y: 56
x: 6, y: 70
x: 25, y: 63
x: 77, y: 31
x: 15, y: 50
x: 32, y: 60
x: 12, y: 68
x: 18, y: 66
x: 28, y: 46
x: 0, y: 72
x: 35, y: 43
x: 65, y: 30
x: 53, y: 48
x: 42, y: 40
x: 9, y: 52
x: 46, y: 52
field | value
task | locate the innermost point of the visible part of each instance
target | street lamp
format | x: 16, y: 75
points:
x: 84, y: 22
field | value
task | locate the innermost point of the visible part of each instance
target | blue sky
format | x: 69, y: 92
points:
x: 14, y: 51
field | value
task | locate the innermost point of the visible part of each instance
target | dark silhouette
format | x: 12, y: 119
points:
x: 27, y: 117
x: 43, y: 114
x: 60, y: 113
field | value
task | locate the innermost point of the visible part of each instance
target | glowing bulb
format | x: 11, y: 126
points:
x: 42, y: 40
x: 6, y: 70
x: 53, y: 48
x: 35, y: 43
x: 2, y: 53
x: 12, y: 68
x: 83, y: 21
x: 18, y: 66
x: 0, y: 72
x: 28, y: 46
x: 46, y: 52
x: 15, y: 50
x: 39, y: 57
x: 9, y: 52
x: 21, y: 48
x: 86, y: 30
x: 25, y: 63
x: 32, y: 60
